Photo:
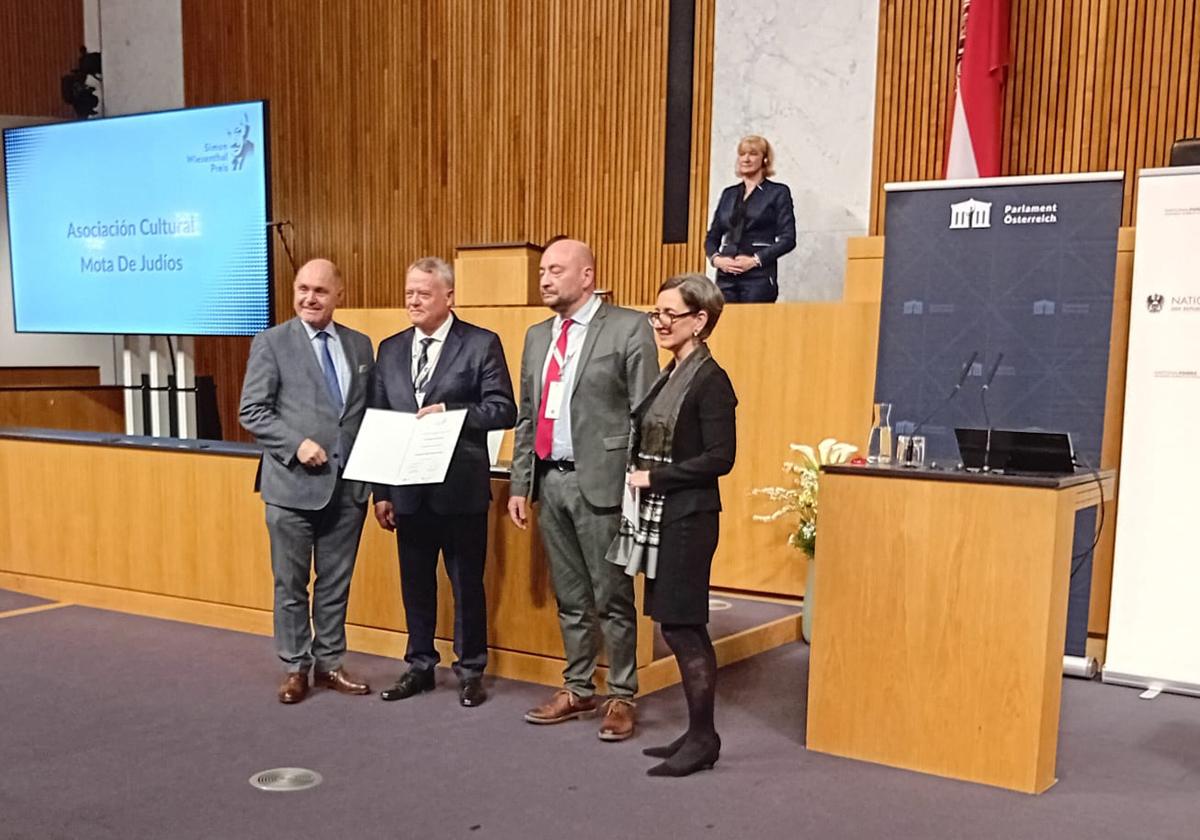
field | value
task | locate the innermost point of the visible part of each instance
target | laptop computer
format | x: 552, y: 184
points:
x: 1016, y: 451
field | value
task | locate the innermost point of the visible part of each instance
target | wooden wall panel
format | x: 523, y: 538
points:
x: 825, y: 394
x: 100, y: 410
x: 401, y: 128
x: 13, y: 377
x: 40, y: 42
x: 1093, y: 85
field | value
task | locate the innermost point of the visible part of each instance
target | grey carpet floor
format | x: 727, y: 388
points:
x: 10, y: 600
x: 114, y: 726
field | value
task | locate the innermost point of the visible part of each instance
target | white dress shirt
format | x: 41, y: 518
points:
x: 561, y: 448
x: 435, y: 351
x: 341, y: 365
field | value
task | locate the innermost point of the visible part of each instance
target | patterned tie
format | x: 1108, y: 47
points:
x: 544, y: 438
x: 327, y: 368
x: 423, y: 372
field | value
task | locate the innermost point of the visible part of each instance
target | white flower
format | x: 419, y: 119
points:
x: 801, y: 497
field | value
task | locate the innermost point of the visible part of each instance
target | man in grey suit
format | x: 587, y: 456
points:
x: 304, y: 396
x: 582, y: 372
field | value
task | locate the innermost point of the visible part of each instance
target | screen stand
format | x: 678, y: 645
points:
x: 166, y: 407
x: 132, y: 367
x: 185, y: 380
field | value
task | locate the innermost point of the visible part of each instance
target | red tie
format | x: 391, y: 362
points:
x: 544, y: 439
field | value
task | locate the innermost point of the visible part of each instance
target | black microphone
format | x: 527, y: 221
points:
x: 983, y: 390
x: 278, y: 227
x: 962, y: 377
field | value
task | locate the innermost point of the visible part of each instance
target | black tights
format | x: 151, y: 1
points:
x: 698, y: 667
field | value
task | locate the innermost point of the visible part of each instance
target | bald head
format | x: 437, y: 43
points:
x: 573, y: 249
x: 318, y: 291
x: 567, y: 276
x: 321, y: 268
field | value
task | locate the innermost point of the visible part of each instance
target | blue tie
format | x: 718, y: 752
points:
x: 327, y: 368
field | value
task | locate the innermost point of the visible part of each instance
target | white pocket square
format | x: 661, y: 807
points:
x: 362, y: 368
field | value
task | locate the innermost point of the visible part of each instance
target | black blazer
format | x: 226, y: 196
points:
x: 769, y: 229
x: 471, y: 373
x: 704, y: 446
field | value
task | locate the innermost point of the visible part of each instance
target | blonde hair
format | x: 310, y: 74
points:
x: 434, y: 265
x: 759, y: 144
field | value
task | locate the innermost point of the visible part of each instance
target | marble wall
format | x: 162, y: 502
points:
x: 141, y: 42
x: 802, y: 74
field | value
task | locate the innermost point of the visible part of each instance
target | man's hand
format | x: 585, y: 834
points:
x: 436, y: 408
x: 745, y: 262
x: 310, y: 454
x: 518, y: 512
x: 639, y: 479
x: 385, y: 515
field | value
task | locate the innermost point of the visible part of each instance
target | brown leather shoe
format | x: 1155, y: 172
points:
x: 564, y: 705
x: 339, y: 680
x: 618, y: 722
x: 294, y: 688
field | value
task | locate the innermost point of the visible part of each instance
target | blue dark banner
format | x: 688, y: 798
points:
x: 1020, y: 269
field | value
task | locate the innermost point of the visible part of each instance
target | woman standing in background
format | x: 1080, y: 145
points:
x: 753, y: 226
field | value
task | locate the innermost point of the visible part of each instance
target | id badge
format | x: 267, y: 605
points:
x: 554, y: 397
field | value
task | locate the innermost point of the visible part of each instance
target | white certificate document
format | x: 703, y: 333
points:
x: 396, y: 448
x: 495, y: 439
x: 631, y: 504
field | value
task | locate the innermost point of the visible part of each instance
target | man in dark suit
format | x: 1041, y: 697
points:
x: 442, y: 363
x: 303, y: 398
x: 582, y: 372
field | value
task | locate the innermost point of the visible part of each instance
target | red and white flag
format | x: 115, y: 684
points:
x: 981, y: 70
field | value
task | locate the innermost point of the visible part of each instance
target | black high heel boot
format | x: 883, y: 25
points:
x: 693, y: 756
x: 667, y: 750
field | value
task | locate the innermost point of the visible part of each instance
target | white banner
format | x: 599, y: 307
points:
x: 1154, y: 622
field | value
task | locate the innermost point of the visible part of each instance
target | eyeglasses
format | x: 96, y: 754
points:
x: 656, y: 317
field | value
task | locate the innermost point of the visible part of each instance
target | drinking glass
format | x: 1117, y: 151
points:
x: 917, y: 451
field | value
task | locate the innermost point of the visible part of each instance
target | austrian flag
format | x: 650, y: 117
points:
x: 981, y: 69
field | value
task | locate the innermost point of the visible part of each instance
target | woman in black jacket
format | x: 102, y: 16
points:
x: 753, y: 226
x: 683, y: 438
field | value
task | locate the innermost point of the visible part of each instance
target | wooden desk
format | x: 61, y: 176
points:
x: 938, y: 635
x: 499, y: 274
x: 172, y: 529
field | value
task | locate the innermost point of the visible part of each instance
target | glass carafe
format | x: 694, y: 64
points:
x: 879, y: 444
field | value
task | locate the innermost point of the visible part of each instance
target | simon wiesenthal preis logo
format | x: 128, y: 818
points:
x: 1154, y: 303
x: 970, y: 214
x: 230, y: 155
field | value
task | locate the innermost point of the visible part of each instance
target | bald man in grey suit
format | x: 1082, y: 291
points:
x: 582, y: 372
x: 303, y: 398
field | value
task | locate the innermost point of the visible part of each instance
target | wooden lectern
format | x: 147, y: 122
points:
x: 940, y: 619
x: 499, y: 274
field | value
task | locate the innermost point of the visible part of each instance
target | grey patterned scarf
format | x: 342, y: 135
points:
x: 655, y: 416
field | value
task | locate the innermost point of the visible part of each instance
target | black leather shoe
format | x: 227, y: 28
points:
x: 667, y: 750
x: 410, y: 683
x: 471, y: 691
x: 696, y: 754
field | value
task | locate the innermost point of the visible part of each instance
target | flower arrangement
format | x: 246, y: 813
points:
x: 801, y: 497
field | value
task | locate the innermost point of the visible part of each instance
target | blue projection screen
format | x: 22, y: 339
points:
x: 146, y: 224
